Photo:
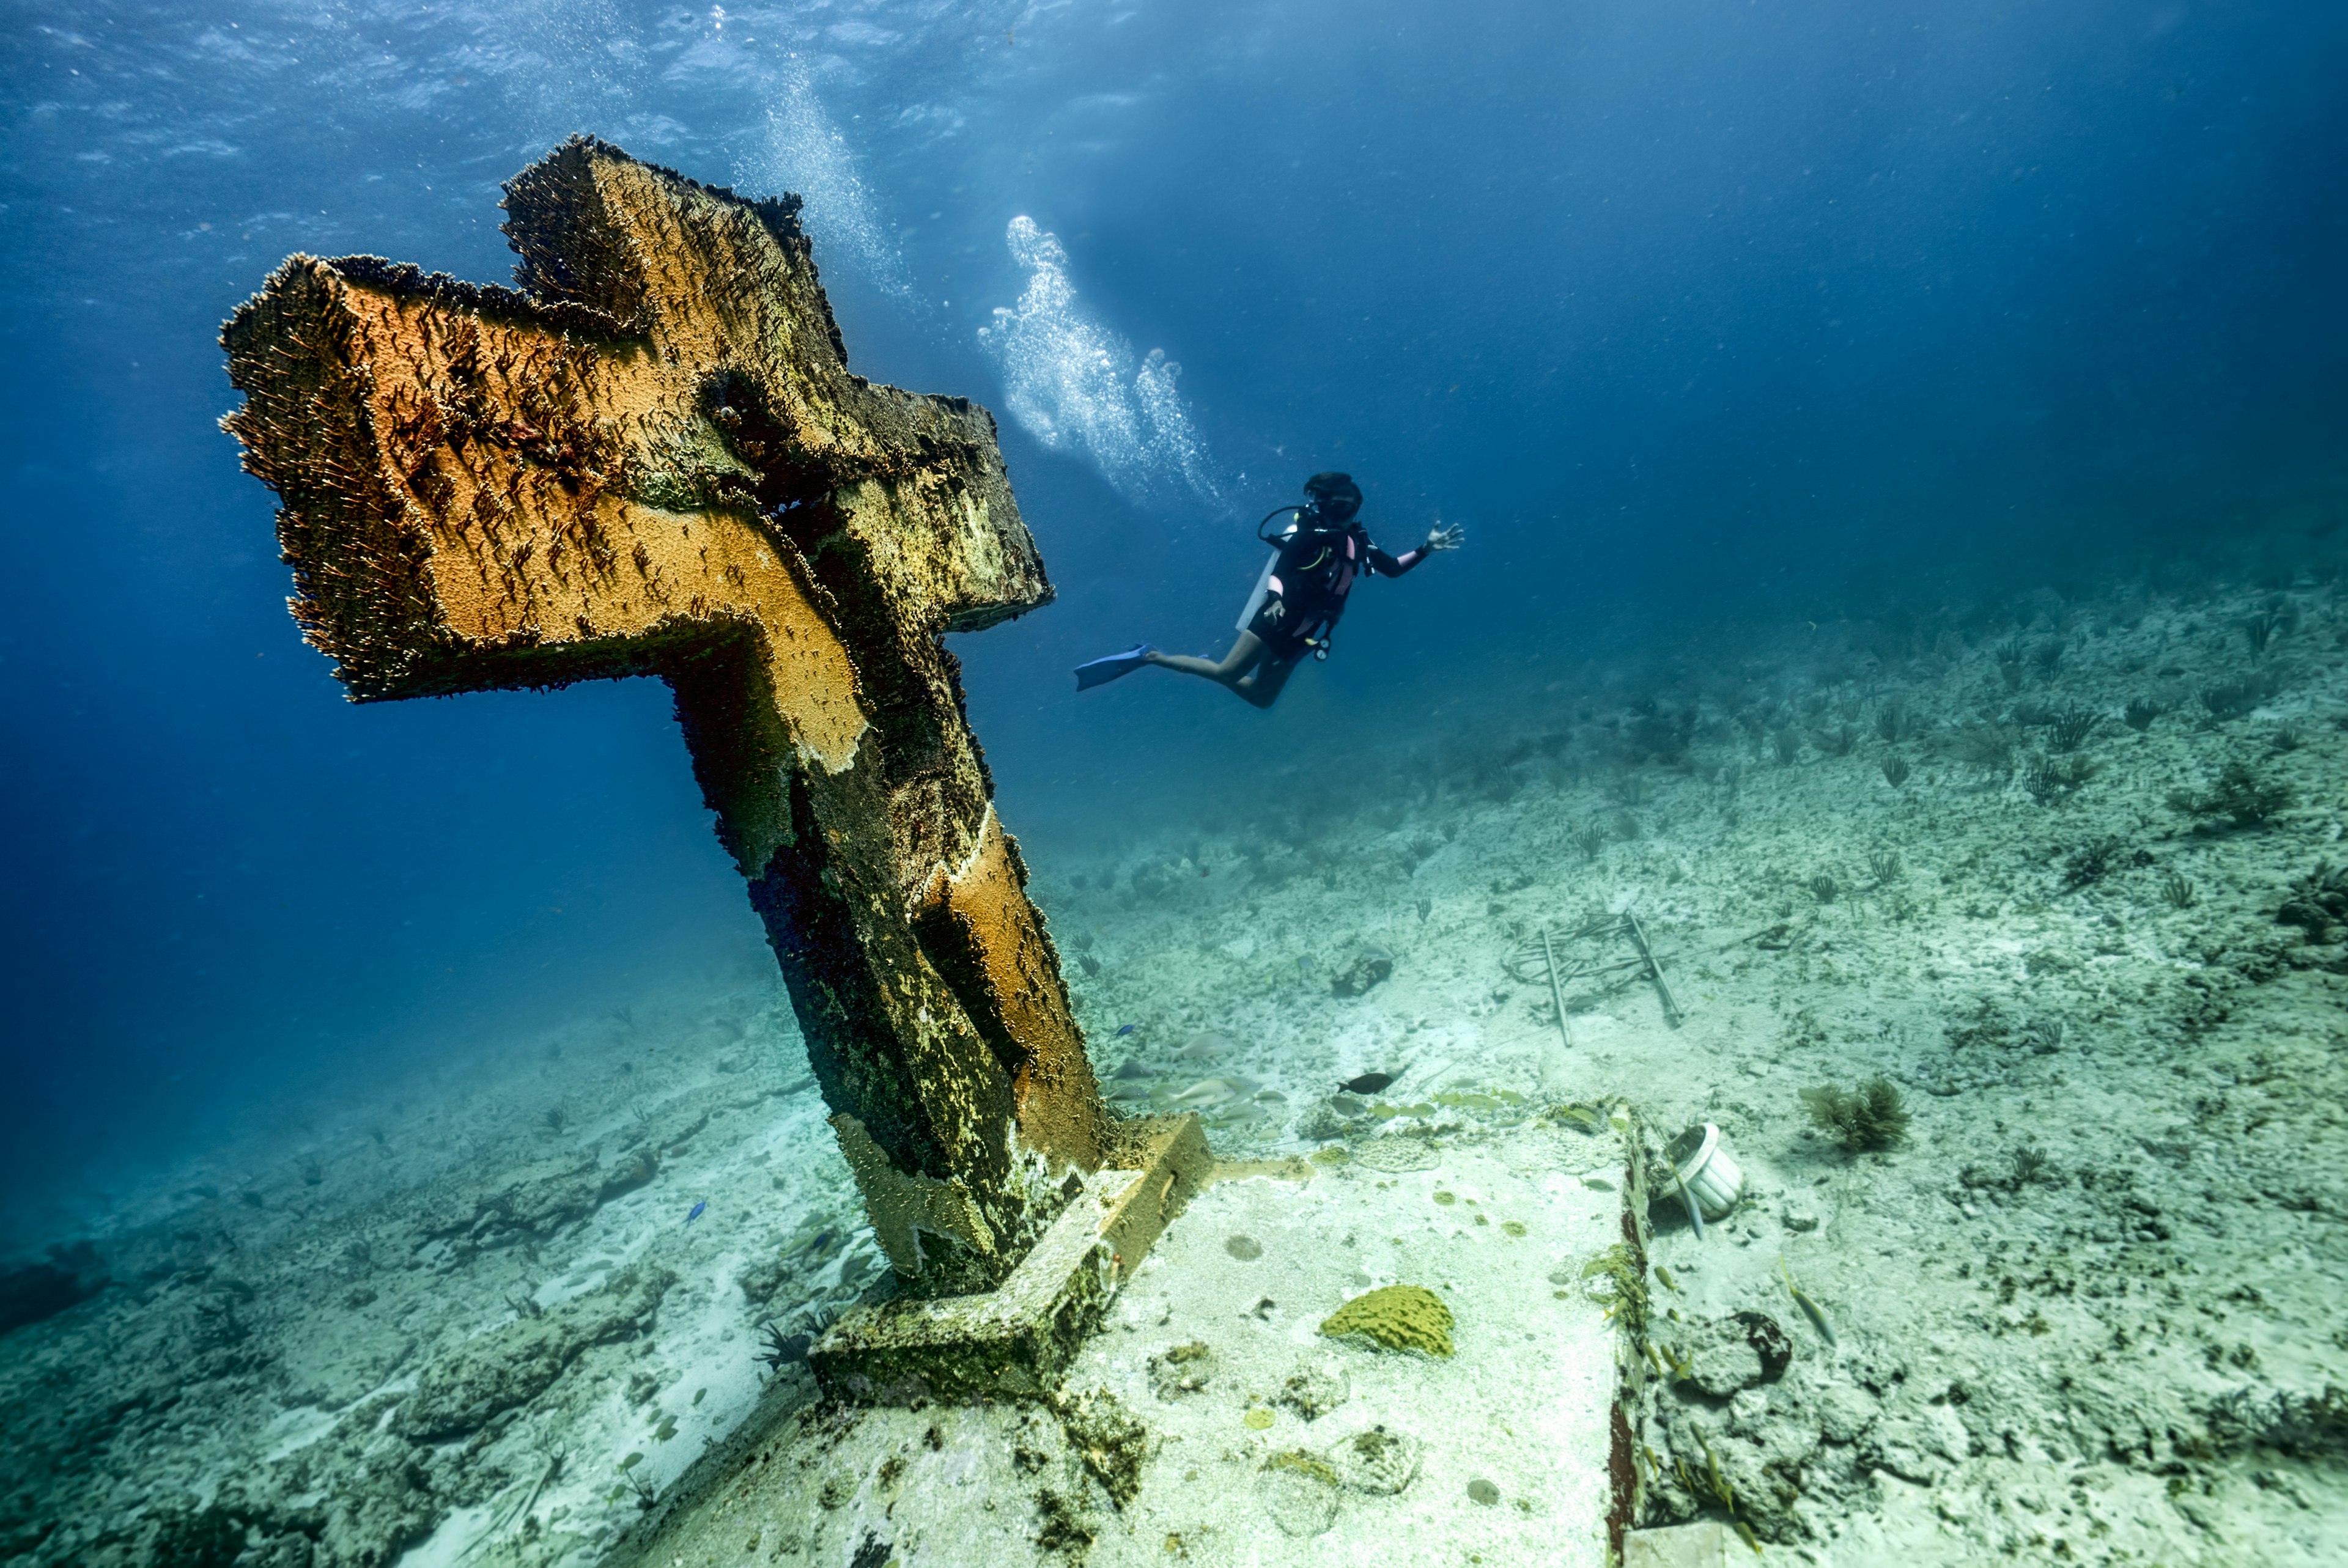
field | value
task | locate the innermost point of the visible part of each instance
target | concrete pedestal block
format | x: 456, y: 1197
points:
x: 1207, y: 1419
x: 1705, y: 1544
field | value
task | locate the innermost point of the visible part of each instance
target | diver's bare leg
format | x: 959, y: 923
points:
x: 1245, y: 654
x: 1263, y: 688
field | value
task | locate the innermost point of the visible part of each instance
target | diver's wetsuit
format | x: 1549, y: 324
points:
x: 1305, y: 591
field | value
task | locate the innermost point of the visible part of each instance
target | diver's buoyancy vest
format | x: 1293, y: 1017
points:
x: 1316, y: 570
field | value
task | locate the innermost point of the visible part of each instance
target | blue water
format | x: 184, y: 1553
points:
x: 1708, y: 320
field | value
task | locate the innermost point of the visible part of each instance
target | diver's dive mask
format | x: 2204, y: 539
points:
x: 1332, y: 501
x: 1334, y: 498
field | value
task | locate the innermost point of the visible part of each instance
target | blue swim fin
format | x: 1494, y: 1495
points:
x: 1101, y: 671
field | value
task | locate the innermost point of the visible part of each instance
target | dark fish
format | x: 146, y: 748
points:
x: 697, y: 1211
x: 1368, y: 1083
x: 1124, y: 1031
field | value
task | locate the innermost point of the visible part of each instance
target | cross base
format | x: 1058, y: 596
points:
x: 1015, y: 1340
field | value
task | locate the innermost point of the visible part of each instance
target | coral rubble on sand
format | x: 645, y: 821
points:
x: 480, y: 1325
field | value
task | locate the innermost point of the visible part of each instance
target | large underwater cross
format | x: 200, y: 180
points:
x: 652, y: 460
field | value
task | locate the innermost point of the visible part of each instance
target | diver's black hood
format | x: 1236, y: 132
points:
x: 1336, y: 495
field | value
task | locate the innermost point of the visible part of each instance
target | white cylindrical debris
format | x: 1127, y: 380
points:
x: 1699, y: 1158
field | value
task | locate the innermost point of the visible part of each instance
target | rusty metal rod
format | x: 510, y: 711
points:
x: 1556, y: 990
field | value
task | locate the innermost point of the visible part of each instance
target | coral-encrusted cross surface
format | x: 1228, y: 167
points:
x: 652, y: 460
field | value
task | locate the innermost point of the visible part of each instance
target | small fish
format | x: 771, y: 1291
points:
x: 1809, y: 1308
x: 1720, y: 1487
x: 1214, y: 1092
x: 1665, y: 1275
x: 1367, y: 1083
x: 1744, y: 1533
x: 697, y: 1211
x: 1303, y: 964
x: 1124, y: 1030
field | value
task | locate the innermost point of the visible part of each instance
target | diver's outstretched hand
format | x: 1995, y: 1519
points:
x: 1443, y: 538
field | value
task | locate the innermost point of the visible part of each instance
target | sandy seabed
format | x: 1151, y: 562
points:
x: 2087, y: 1306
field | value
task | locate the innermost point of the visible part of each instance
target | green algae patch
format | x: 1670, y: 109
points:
x: 1626, y: 1292
x: 1395, y: 1317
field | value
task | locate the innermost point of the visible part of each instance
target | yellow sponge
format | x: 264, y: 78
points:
x: 1399, y: 1318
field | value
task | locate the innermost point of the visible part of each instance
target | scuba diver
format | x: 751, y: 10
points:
x: 1297, y: 601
